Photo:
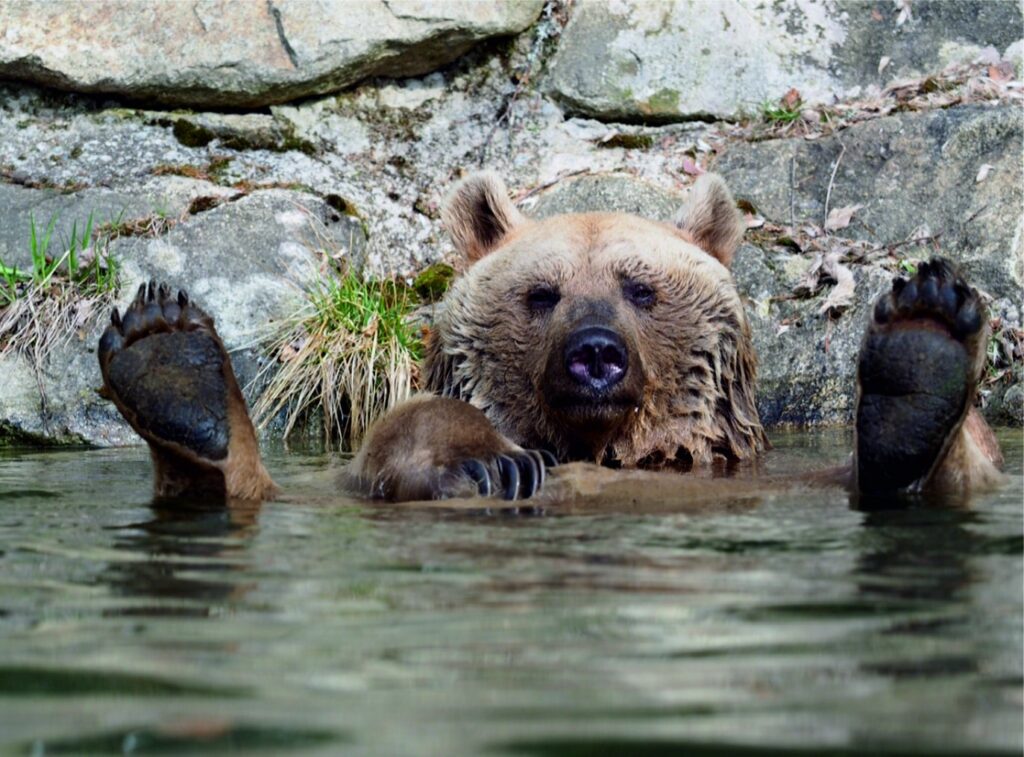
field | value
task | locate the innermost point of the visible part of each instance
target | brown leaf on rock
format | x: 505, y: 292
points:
x: 839, y: 218
x: 904, y: 11
x: 791, y: 100
x: 691, y: 167
x: 1001, y: 72
x: 841, y: 296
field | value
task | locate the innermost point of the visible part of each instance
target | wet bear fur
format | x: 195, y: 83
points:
x: 595, y: 337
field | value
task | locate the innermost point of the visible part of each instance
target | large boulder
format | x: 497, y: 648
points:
x: 806, y: 359
x: 914, y: 174
x: 222, y: 53
x: 247, y: 261
x: 673, y: 60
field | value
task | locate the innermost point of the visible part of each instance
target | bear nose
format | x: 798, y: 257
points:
x: 596, y: 357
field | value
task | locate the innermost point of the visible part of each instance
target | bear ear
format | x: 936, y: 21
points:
x: 710, y: 218
x: 478, y: 214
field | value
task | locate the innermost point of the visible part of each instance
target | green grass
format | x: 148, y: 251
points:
x: 58, y: 293
x: 349, y: 354
x: 775, y: 113
x: 907, y: 266
x: 83, y: 264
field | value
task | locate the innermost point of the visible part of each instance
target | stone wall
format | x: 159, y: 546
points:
x: 238, y: 140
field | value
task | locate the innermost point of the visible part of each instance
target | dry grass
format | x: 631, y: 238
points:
x: 349, y: 354
x: 44, y: 316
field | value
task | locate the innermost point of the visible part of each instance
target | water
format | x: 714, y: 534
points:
x: 319, y: 625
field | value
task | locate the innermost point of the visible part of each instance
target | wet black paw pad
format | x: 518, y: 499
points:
x: 163, y: 361
x: 914, y: 374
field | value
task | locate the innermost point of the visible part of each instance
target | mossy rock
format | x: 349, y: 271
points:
x: 433, y: 282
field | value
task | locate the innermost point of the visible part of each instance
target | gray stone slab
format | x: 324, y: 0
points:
x: 910, y: 172
x: 673, y: 60
x: 223, y: 53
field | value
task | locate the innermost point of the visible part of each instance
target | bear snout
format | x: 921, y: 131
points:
x: 596, y: 357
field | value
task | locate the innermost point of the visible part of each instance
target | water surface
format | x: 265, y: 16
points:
x: 322, y: 625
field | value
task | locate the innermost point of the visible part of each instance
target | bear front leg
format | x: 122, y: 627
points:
x: 167, y: 372
x: 434, y: 448
x: 917, y: 378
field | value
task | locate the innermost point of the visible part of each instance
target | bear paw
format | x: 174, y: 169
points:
x: 916, y: 374
x: 166, y: 370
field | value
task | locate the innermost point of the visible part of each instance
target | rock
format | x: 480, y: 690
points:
x: 221, y: 53
x: 246, y: 261
x: 608, y: 192
x: 245, y: 131
x: 638, y: 60
x: 1004, y: 404
x: 806, y: 361
x: 936, y: 34
x: 914, y: 173
x: 317, y: 123
x: 167, y: 198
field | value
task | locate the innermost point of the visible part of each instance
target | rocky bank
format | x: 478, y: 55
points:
x: 227, y: 147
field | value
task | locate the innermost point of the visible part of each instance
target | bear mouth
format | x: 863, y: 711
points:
x: 578, y: 409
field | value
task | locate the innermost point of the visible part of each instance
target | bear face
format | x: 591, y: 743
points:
x: 600, y: 336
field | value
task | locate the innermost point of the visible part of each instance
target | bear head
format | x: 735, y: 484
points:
x: 600, y: 336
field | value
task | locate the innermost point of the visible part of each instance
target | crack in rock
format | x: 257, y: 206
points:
x: 279, y: 23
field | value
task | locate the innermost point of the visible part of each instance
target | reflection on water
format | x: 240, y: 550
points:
x: 320, y: 625
x: 186, y: 551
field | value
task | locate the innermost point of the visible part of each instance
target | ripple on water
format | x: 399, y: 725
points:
x: 319, y: 625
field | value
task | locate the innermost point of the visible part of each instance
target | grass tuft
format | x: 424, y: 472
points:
x: 778, y: 113
x: 350, y: 354
x: 64, y: 290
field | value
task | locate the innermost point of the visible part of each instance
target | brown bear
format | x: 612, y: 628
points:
x: 598, y: 337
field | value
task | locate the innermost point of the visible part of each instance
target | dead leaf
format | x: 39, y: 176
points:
x: 904, y: 8
x: 876, y: 15
x: 691, y: 167
x: 791, y: 100
x: 983, y: 173
x: 1001, y: 72
x: 839, y: 218
x: 884, y: 61
x: 841, y: 296
x: 754, y: 221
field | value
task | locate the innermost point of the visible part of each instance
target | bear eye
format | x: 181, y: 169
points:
x: 640, y: 295
x: 542, y: 298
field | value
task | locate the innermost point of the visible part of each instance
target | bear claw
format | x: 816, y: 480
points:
x: 519, y: 475
x: 937, y: 293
